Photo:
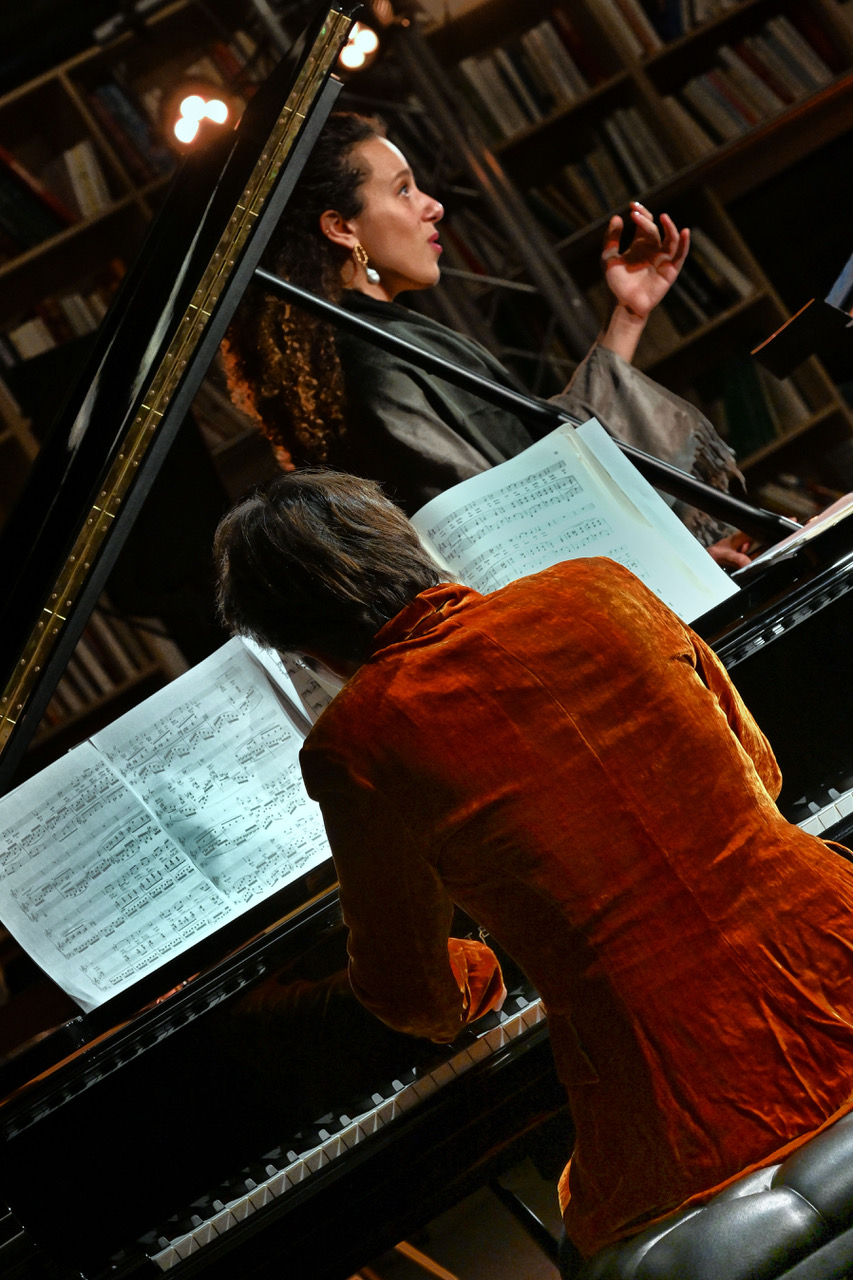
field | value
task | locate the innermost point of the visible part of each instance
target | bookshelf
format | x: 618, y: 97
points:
x: 83, y: 163
x: 640, y: 115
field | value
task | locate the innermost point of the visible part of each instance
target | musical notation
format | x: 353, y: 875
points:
x: 571, y: 494
x: 169, y: 822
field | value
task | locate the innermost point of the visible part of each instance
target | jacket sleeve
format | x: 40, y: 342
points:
x: 634, y: 408
x: 403, y: 966
x: 741, y: 723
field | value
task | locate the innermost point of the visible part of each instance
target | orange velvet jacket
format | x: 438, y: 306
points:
x: 570, y: 764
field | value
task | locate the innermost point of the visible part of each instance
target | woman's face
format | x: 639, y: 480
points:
x: 397, y: 224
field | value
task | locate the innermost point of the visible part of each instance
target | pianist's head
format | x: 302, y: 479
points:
x: 355, y: 221
x: 316, y: 562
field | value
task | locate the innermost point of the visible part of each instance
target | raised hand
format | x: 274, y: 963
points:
x: 641, y: 275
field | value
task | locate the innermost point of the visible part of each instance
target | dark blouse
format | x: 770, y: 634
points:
x: 419, y: 435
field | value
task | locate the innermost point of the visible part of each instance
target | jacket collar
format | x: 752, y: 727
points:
x: 424, y: 614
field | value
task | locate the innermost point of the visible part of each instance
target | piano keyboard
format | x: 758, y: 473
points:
x: 823, y: 817
x: 280, y: 1170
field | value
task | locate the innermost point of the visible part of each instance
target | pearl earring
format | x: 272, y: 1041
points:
x: 360, y: 254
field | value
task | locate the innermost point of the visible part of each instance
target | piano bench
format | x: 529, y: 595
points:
x: 790, y: 1221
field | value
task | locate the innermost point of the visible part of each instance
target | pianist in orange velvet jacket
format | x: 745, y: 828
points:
x: 571, y: 765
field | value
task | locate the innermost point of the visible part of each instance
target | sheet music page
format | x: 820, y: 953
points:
x: 573, y: 493
x: 91, y: 887
x: 310, y: 691
x: 177, y: 817
x: 215, y: 759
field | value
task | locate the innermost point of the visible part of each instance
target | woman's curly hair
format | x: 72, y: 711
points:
x: 282, y: 368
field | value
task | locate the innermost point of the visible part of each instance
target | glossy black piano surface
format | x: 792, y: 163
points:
x: 137, y: 1126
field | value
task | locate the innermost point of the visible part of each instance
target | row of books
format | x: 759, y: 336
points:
x: 109, y: 655
x: 73, y: 186
x: 752, y: 81
x: 129, y: 128
x: 30, y: 212
x: 61, y: 317
x: 749, y: 406
x: 528, y: 79
x: 650, y: 24
x: 625, y: 158
x: 36, y: 207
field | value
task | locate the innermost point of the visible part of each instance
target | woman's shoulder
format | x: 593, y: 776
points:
x: 414, y: 326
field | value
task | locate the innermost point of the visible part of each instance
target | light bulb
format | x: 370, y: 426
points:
x: 216, y: 111
x: 193, y: 107
x: 185, y: 129
x: 351, y: 57
x: 365, y: 39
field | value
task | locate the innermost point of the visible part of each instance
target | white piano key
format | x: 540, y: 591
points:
x: 844, y: 804
x: 167, y: 1258
x: 241, y: 1207
x: 184, y: 1245
x: 813, y: 825
x: 479, y: 1050
x: 222, y: 1222
x: 443, y: 1074
x: 279, y: 1184
x: 425, y: 1086
x: 351, y: 1135
x: 315, y: 1160
x: 204, y: 1234
x: 261, y: 1197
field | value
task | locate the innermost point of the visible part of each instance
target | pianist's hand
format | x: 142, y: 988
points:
x: 731, y: 552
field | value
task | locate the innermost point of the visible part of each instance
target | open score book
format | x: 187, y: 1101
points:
x: 190, y: 809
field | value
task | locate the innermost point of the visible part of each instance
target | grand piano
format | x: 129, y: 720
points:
x: 237, y: 1113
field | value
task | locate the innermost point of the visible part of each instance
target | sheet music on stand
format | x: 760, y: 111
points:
x: 169, y: 823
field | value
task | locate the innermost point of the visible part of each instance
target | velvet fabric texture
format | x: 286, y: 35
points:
x: 419, y: 435
x: 571, y: 765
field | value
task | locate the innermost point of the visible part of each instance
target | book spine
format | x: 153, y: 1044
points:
x: 624, y: 152
x: 645, y: 144
x: 125, y: 121
x: 516, y: 86
x: 719, y: 83
x: 617, y: 18
x: 640, y: 24
x: 755, y: 91
x: 41, y: 192
x: 779, y: 87
x: 800, y: 50
x: 702, y: 243
x: 31, y: 338
x: 87, y: 179
x: 581, y: 55
x: 716, y: 113
x: 698, y: 139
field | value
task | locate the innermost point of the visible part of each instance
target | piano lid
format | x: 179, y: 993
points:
x: 151, y: 354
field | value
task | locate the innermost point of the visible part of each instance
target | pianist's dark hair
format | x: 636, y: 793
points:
x: 281, y: 364
x: 317, y: 560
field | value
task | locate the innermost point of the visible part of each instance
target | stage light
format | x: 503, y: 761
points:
x: 360, y: 48
x: 187, y: 106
